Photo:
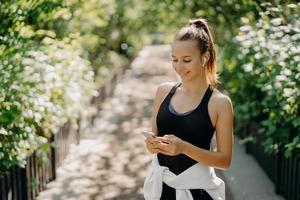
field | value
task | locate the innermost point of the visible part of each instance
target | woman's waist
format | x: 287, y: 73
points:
x: 176, y: 164
x: 181, y: 163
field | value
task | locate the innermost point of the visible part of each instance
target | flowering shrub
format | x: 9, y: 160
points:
x: 39, y: 92
x: 52, y: 55
x: 267, y: 76
x: 45, y: 81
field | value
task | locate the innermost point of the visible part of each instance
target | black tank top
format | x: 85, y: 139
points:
x: 194, y: 127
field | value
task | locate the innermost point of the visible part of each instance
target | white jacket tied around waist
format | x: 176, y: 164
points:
x: 197, y: 176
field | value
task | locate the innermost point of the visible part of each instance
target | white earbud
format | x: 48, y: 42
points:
x: 203, y: 62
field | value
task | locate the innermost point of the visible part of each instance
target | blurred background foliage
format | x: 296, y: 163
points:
x: 55, y: 53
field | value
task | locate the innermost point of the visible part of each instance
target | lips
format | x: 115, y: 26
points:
x: 185, y: 74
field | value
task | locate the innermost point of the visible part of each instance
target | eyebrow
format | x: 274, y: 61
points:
x: 182, y: 56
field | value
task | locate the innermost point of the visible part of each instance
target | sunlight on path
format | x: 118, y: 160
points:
x: 111, y: 161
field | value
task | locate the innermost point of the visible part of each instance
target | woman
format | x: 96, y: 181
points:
x: 185, y: 117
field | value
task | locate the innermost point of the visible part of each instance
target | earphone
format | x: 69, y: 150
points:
x: 203, y: 61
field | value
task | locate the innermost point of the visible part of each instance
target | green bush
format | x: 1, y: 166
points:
x: 52, y: 55
x: 40, y: 90
x: 265, y: 78
x: 44, y: 80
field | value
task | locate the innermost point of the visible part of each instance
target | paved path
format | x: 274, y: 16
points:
x: 245, y: 179
x: 111, y: 161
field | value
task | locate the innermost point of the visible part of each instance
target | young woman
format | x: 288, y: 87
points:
x: 186, y: 116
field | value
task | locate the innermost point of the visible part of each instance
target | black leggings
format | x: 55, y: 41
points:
x: 169, y: 193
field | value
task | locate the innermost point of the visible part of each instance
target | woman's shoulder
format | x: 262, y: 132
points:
x: 220, y: 100
x: 166, y: 86
x: 163, y: 89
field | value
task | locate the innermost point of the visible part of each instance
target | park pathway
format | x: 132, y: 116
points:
x: 111, y: 161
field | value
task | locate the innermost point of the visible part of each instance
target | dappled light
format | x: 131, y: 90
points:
x: 111, y: 161
x: 78, y: 80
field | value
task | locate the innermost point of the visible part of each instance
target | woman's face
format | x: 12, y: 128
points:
x: 186, y: 60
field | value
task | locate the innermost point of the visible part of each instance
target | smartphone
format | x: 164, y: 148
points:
x: 148, y: 134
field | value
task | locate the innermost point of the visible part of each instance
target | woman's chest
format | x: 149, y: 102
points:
x: 194, y: 128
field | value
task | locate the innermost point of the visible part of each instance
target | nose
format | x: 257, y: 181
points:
x: 180, y: 66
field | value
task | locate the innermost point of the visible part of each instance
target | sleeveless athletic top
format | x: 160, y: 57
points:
x: 193, y: 126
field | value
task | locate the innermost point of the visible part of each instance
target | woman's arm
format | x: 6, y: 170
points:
x: 224, y: 136
x: 162, y: 90
x: 160, y: 94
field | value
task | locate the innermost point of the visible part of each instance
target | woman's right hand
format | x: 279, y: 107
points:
x: 150, y: 144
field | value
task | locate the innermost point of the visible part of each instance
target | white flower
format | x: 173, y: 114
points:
x: 248, y: 67
x: 245, y: 28
x: 287, y: 92
x: 268, y: 87
x: 281, y: 78
x: 286, y: 107
x: 292, y: 6
x: 276, y: 21
x: 3, y: 131
x: 277, y: 85
x: 287, y: 72
x: 281, y: 63
x: 258, y: 56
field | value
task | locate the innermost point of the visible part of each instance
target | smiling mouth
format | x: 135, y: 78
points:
x: 185, y: 74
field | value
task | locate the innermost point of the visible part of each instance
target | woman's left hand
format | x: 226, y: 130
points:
x: 170, y: 145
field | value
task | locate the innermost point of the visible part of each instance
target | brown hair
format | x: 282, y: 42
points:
x: 199, y: 31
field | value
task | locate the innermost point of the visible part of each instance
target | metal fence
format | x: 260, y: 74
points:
x: 12, y: 184
x: 26, y: 183
x: 284, y: 172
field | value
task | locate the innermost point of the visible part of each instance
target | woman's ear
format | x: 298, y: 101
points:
x: 205, y: 58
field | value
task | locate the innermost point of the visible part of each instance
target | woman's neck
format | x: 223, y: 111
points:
x: 194, y: 87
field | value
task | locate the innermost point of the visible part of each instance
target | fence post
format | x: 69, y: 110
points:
x: 3, y: 190
x: 297, y: 174
x: 8, y: 185
x: 53, y: 159
x: 78, y: 131
x: 14, y: 183
x: 277, y: 181
x: 23, y: 184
